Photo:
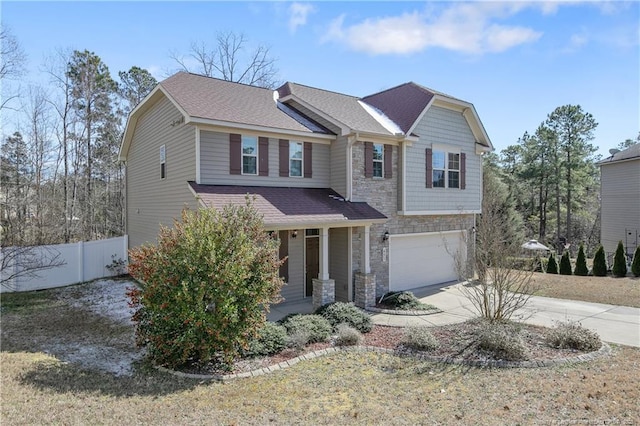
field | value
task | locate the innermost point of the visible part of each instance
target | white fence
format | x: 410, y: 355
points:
x: 83, y: 261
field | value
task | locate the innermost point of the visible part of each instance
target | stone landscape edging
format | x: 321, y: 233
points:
x: 604, y: 350
x: 413, y: 313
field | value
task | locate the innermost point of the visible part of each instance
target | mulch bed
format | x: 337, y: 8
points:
x: 456, y: 341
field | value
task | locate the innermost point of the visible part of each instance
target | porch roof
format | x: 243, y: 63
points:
x: 290, y: 208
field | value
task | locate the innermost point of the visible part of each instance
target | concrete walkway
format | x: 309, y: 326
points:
x: 615, y: 324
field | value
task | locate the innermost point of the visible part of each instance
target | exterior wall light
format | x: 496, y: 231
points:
x: 294, y: 233
x: 385, y: 236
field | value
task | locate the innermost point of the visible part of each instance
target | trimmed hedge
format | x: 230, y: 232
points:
x: 581, y: 263
x: 620, y: 262
x: 600, y: 263
x: 565, y: 264
x: 552, y: 265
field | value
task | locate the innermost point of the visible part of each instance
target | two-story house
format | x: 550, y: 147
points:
x: 367, y: 195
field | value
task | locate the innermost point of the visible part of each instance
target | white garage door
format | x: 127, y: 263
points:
x: 416, y: 260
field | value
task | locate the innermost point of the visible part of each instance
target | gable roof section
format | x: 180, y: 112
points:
x: 287, y: 207
x: 631, y: 153
x: 343, y: 110
x: 403, y: 104
x: 407, y: 103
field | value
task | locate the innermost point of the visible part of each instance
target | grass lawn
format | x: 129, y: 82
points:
x: 37, y: 387
x: 614, y: 291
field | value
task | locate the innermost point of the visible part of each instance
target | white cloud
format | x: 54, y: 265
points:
x: 298, y: 13
x: 463, y: 27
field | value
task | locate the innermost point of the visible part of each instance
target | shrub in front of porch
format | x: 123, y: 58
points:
x: 346, y: 313
x: 204, y: 286
x: 315, y: 327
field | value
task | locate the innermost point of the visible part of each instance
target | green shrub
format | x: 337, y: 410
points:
x: 571, y: 335
x: 502, y: 341
x: 419, y: 338
x: 581, y: 263
x: 404, y: 301
x: 298, y: 339
x: 271, y: 339
x: 600, y: 263
x: 339, y: 312
x: 565, y: 264
x: 347, y: 336
x: 552, y: 265
x: 317, y: 327
x: 635, y: 265
x: 204, y: 286
x: 620, y: 262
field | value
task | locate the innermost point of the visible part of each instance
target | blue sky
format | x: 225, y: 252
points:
x: 515, y: 61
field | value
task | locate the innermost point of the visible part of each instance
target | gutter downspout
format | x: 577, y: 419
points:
x: 351, y: 139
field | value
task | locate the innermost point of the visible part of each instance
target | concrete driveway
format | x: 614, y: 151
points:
x: 615, y: 324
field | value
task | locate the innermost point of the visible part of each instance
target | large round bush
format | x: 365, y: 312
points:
x: 204, y: 285
x: 339, y: 312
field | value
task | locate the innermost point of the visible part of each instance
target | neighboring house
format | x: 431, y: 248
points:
x: 620, y: 200
x: 367, y: 194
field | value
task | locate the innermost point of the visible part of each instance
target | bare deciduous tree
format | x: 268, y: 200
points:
x: 229, y: 60
x: 26, y: 262
x: 12, y: 62
x: 502, y: 287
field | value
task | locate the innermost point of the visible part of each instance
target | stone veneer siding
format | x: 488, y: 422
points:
x: 382, y: 194
x: 365, y: 290
x: 324, y: 291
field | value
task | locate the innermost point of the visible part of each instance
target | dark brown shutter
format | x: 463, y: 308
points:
x: 235, y: 154
x: 368, y: 159
x: 263, y: 156
x: 429, y: 163
x: 388, y: 156
x: 308, y: 159
x: 284, y: 158
x: 463, y: 171
x: 284, y: 252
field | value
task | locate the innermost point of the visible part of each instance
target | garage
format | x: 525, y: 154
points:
x: 417, y: 260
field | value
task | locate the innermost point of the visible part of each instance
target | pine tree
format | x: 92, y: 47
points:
x: 552, y: 266
x: 600, y: 263
x: 565, y: 264
x: 635, y: 265
x: 581, y: 263
x: 620, y: 262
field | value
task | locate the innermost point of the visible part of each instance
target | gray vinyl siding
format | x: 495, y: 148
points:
x: 294, y: 289
x: 214, y: 165
x: 339, y: 261
x: 620, y: 194
x: 339, y: 166
x: 449, y: 128
x: 152, y: 201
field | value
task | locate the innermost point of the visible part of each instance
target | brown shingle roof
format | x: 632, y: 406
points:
x: 293, y: 207
x: 214, y: 99
x: 403, y: 104
x: 344, y: 108
x: 628, y: 154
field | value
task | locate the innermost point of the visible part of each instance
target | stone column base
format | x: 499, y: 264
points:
x: 365, y: 290
x: 324, y: 291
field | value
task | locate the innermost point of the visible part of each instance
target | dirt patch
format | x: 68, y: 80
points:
x: 609, y: 290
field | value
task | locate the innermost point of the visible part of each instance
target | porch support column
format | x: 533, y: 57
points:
x: 365, y: 252
x: 365, y: 281
x: 324, y: 288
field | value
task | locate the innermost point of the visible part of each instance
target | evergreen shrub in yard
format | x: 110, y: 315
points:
x: 315, y: 327
x: 339, y: 312
x: 620, y: 262
x: 565, y: 264
x: 600, y: 263
x: 204, y: 286
x: 581, y: 263
x: 635, y: 265
x: 571, y: 335
x: 271, y: 339
x: 552, y: 265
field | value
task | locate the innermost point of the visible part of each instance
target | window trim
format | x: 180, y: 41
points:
x: 243, y: 155
x: 163, y: 162
x: 301, y: 159
x: 446, y: 169
x: 380, y: 161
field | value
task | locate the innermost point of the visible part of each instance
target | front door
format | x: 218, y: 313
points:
x: 312, y: 263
